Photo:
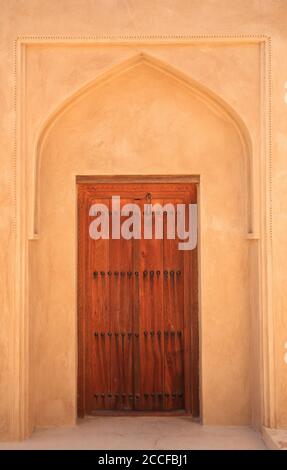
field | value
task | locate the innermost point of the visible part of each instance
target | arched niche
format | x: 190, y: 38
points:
x: 204, y: 94
x: 142, y: 118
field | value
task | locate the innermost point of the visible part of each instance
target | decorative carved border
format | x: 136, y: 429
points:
x: 19, y: 355
x: 153, y: 39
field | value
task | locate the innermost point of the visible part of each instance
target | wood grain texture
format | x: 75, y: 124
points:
x: 138, y: 316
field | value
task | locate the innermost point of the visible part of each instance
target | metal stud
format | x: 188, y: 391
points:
x: 136, y: 273
x: 157, y: 273
x: 145, y: 333
x: 172, y: 273
x: 109, y: 273
x: 102, y: 334
x: 151, y: 273
x: 103, y: 395
x: 96, y: 333
x: 102, y: 273
x: 109, y: 333
x: 110, y: 395
x: 165, y: 273
x: 152, y: 333
x: 95, y: 273
x: 129, y: 273
x: 136, y: 335
x: 122, y: 273
x: 178, y: 273
x: 146, y: 395
x: 145, y: 273
x: 116, y: 273
x: 131, y: 396
x: 137, y: 396
x: 158, y: 333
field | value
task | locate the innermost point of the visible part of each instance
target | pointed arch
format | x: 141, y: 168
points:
x: 214, y: 101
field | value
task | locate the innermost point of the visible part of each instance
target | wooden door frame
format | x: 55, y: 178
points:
x: 195, y: 362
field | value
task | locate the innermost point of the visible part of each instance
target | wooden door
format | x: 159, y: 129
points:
x: 137, y: 302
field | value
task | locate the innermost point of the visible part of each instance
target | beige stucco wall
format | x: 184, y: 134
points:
x: 231, y: 70
x: 145, y: 122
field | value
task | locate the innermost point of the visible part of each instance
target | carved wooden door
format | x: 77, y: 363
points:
x: 137, y: 301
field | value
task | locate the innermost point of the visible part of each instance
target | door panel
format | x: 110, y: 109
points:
x: 151, y: 322
x: 174, y: 321
x: 138, y: 330
x: 121, y: 320
x: 98, y: 319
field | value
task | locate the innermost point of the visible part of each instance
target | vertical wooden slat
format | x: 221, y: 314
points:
x: 151, y: 323
x: 137, y: 366
x: 81, y: 300
x: 116, y: 364
x: 121, y: 301
x: 173, y: 317
x: 187, y: 326
x: 98, y: 353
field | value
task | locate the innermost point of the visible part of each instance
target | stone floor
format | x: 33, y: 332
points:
x: 275, y: 439
x: 122, y: 433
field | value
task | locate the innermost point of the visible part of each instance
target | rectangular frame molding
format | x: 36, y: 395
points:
x: 19, y: 330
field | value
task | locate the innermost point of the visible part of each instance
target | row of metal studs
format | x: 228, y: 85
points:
x: 137, y: 397
x: 136, y: 273
x: 146, y: 333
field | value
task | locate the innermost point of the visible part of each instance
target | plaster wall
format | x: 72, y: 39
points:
x: 144, y: 122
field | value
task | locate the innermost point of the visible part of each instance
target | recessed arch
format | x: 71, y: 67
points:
x: 213, y: 100
x: 170, y: 125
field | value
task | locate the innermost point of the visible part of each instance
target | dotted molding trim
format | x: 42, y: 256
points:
x: 12, y: 176
x: 270, y: 136
x: 149, y: 37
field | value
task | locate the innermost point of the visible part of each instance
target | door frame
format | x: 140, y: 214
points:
x: 195, y: 395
